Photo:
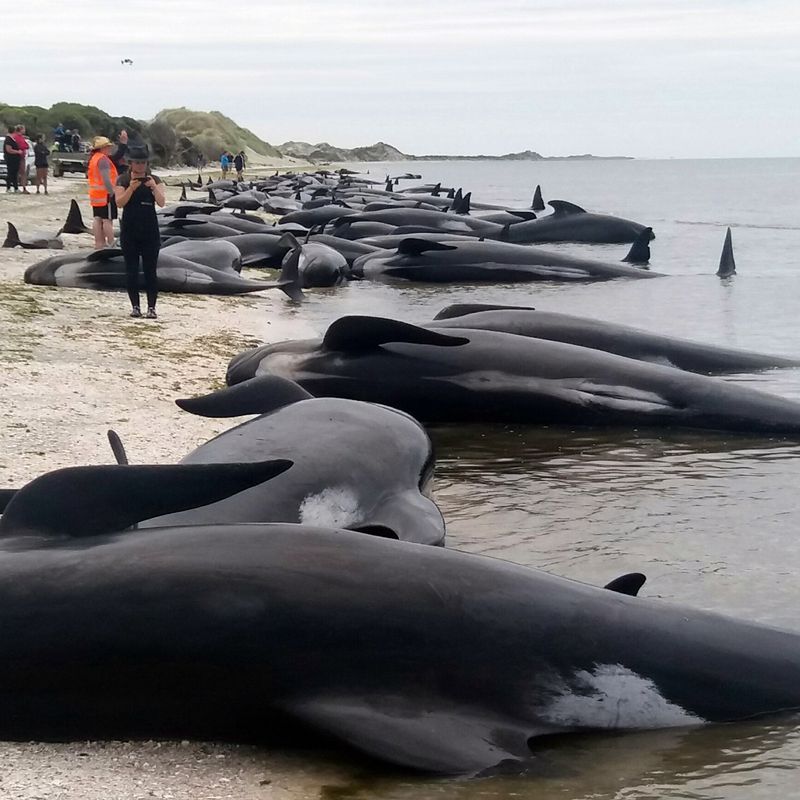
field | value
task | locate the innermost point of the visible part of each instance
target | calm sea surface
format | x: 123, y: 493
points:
x: 711, y: 519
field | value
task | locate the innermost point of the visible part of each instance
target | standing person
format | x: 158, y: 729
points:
x: 76, y: 141
x: 22, y: 145
x: 102, y: 174
x: 58, y: 135
x: 238, y: 163
x: 224, y: 163
x: 41, y: 153
x: 11, y: 154
x: 138, y: 192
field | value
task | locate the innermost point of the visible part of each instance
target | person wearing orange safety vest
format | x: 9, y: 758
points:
x: 102, y: 173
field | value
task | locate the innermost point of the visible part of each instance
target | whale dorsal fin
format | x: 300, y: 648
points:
x: 12, y: 237
x: 627, y: 584
x: 640, y: 249
x: 91, y: 501
x: 259, y: 395
x: 562, y: 208
x: 538, y: 203
x: 416, y: 247
x: 355, y: 333
x: 462, y: 309
x: 727, y: 266
x: 74, y: 221
x: 183, y: 192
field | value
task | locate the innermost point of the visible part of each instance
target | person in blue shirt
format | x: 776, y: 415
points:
x: 224, y: 164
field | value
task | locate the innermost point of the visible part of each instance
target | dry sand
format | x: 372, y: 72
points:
x: 75, y: 365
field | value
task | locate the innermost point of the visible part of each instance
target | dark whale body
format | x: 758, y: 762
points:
x: 445, y: 375
x: 355, y: 465
x: 611, y: 337
x: 424, y: 657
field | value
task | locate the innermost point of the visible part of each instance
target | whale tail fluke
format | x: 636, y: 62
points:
x: 727, y: 265
x: 12, y: 237
x: 640, y: 249
x: 74, y: 221
x: 289, y: 281
x: 537, y: 204
x: 462, y: 207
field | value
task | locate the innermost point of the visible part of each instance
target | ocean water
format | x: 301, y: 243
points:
x: 711, y: 519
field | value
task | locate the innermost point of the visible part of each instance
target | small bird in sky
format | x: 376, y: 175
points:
x: 126, y: 61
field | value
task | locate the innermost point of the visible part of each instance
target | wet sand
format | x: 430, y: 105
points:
x: 75, y: 365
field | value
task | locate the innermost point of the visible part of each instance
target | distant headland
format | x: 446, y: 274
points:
x: 181, y: 136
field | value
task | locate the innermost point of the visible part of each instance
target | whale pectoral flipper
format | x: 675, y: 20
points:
x: 258, y: 395
x: 117, y: 447
x: 354, y: 333
x: 627, y: 584
x: 90, y: 501
x: 447, y: 741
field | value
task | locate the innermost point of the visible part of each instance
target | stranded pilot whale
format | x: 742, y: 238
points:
x: 465, y: 375
x: 424, y: 657
x: 609, y: 336
x: 356, y: 465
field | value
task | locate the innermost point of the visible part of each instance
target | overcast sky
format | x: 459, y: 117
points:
x: 682, y: 78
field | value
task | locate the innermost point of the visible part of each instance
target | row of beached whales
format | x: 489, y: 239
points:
x: 374, y: 234
x: 233, y: 597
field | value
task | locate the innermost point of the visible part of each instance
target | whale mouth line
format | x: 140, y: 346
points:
x: 381, y: 531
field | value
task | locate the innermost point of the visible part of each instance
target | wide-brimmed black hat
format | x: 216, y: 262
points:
x: 138, y: 152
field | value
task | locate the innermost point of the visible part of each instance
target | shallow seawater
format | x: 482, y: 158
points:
x: 711, y: 519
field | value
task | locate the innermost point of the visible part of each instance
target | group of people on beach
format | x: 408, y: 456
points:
x: 67, y: 141
x: 237, y: 161
x: 16, y: 147
x: 120, y: 177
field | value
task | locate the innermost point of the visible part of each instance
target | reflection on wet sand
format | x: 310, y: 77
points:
x: 716, y: 761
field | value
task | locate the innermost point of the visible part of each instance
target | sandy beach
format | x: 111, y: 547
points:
x: 76, y: 365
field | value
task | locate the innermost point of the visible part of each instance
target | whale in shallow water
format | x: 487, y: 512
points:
x: 571, y: 223
x: 441, y: 375
x: 424, y: 657
x: 470, y: 260
x: 609, y: 336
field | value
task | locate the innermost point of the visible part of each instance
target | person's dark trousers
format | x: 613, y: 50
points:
x: 144, y: 249
x: 12, y: 172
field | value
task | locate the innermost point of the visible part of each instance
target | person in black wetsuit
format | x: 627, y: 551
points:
x: 138, y: 192
x: 12, y: 156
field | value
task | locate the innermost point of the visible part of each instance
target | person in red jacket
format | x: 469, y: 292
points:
x: 22, y: 146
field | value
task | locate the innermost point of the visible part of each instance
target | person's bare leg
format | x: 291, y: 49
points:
x: 44, y: 179
x: 38, y: 179
x: 23, y: 176
x: 108, y: 232
x: 99, y: 234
